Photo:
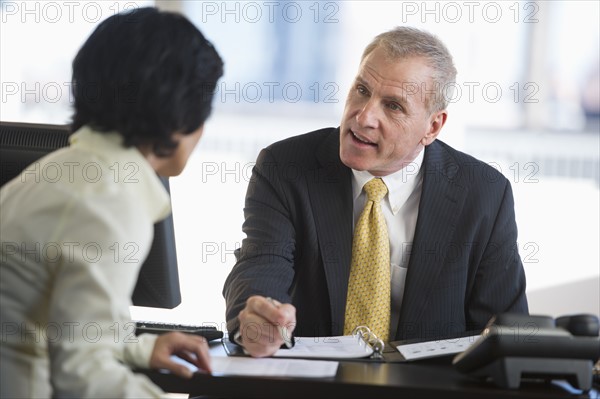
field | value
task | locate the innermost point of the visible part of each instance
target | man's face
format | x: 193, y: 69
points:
x: 386, y: 122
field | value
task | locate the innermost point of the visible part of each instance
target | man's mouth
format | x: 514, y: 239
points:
x: 362, y: 140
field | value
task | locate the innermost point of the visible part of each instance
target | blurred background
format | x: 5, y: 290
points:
x: 526, y: 101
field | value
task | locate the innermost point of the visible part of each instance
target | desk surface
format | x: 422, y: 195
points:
x: 356, y: 379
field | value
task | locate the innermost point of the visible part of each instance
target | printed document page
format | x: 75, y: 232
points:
x: 339, y: 347
x: 267, y: 367
x: 422, y: 350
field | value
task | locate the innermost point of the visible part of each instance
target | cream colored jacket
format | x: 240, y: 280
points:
x: 75, y: 228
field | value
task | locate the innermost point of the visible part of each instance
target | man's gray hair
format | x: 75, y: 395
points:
x: 406, y: 42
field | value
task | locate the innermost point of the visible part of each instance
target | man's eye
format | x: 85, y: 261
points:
x: 394, y: 107
x: 361, y: 90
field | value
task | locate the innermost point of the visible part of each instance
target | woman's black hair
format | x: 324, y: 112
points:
x: 146, y: 74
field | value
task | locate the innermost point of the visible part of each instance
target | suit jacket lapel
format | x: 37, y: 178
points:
x: 330, y: 192
x: 441, y: 202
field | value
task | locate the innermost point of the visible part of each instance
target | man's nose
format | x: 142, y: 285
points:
x: 368, y: 116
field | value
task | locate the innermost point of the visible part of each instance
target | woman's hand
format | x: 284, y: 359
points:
x: 192, y: 348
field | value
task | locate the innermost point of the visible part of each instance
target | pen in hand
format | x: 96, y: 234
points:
x: 283, y: 331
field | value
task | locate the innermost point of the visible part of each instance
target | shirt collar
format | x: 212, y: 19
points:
x: 400, y: 184
x: 128, y: 164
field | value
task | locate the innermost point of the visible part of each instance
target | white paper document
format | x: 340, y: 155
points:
x: 267, y: 367
x: 340, y: 347
x: 421, y: 350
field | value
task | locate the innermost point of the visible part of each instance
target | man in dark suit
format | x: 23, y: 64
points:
x: 450, y: 218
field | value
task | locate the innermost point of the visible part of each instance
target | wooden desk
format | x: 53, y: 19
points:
x: 355, y: 379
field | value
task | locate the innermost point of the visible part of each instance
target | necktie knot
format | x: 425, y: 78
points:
x: 376, y: 190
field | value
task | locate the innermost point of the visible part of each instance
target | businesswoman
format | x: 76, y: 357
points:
x: 142, y: 87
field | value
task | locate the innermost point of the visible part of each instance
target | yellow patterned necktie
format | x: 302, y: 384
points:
x: 368, y: 301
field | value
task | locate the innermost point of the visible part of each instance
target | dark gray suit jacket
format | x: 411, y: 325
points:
x: 464, y: 264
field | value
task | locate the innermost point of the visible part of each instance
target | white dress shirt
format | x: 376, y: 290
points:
x: 75, y: 229
x: 400, y: 209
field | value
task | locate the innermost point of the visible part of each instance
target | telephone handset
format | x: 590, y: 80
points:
x: 515, y: 345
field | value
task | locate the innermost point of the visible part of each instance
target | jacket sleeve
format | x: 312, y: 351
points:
x: 265, y: 262
x: 90, y: 304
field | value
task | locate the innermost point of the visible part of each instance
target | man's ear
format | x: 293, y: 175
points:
x: 436, y: 122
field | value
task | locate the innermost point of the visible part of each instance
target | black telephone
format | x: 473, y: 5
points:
x: 515, y: 345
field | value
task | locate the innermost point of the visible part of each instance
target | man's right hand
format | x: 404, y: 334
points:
x: 259, y: 322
